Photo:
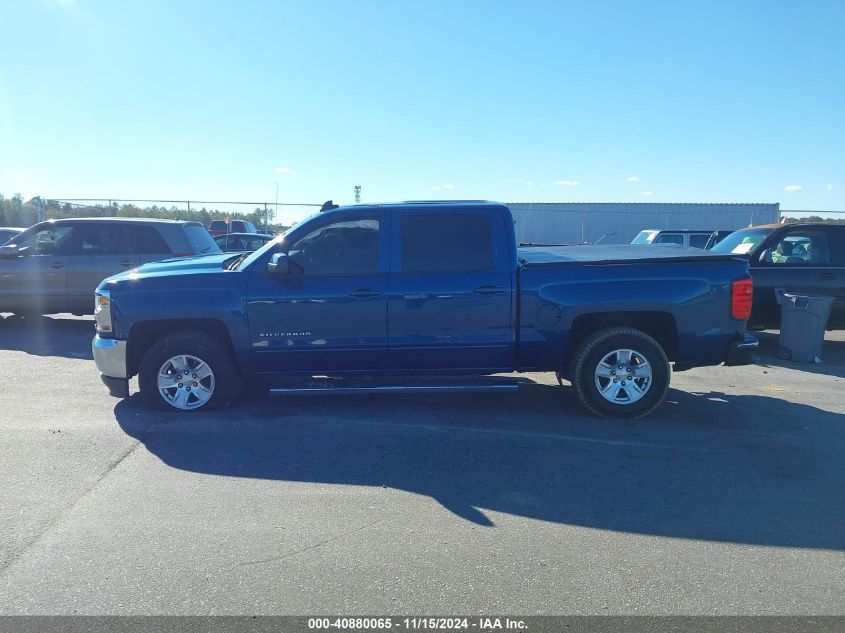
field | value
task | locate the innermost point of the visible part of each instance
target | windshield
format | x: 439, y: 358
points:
x: 644, y: 237
x: 742, y: 242
x: 256, y: 255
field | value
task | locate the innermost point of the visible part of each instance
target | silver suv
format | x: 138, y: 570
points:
x: 55, y: 266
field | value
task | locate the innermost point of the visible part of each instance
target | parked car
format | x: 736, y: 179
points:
x: 432, y: 289
x: 686, y: 237
x: 241, y: 242
x: 8, y: 232
x: 221, y: 227
x: 54, y: 266
x: 715, y: 238
x: 808, y: 258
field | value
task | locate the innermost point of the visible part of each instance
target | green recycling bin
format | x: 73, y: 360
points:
x: 803, y: 319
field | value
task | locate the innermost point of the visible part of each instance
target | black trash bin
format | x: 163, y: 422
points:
x: 803, y: 319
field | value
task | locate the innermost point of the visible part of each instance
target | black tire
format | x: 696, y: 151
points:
x: 784, y: 353
x: 227, y: 379
x: 599, y: 344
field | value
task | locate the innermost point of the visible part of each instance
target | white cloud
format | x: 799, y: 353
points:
x: 633, y: 178
x: 830, y: 187
x: 285, y: 170
x: 793, y: 188
x: 648, y: 193
x: 435, y: 187
x: 529, y: 184
x: 567, y: 183
x: 448, y: 186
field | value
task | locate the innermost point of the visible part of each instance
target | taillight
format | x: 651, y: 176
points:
x: 742, y: 291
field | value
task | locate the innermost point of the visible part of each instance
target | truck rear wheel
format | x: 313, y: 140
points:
x: 621, y: 373
x: 188, y: 371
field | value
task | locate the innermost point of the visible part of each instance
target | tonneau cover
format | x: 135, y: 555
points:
x: 615, y: 254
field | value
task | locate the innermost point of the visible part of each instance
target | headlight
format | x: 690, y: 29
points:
x: 102, y: 312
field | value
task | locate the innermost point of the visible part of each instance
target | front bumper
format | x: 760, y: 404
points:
x: 741, y: 352
x: 110, y: 358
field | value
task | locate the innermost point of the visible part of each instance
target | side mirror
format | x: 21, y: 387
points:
x: 279, y: 264
x: 9, y: 252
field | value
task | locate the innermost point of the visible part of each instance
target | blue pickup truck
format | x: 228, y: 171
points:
x: 391, y: 293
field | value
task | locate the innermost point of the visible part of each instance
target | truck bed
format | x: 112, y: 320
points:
x: 538, y: 256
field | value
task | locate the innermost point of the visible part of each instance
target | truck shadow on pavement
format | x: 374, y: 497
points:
x: 710, y: 466
x: 47, y: 336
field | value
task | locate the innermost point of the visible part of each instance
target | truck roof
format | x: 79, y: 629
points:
x: 416, y: 204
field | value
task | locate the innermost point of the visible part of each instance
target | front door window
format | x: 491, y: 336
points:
x: 350, y: 247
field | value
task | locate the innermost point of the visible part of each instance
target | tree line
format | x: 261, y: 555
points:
x: 15, y: 212
x: 814, y: 219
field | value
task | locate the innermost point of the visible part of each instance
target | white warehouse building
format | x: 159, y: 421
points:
x: 619, y: 222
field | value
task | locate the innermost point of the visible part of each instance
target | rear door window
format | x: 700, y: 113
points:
x: 446, y: 243
x: 669, y: 238
x: 699, y: 240
x: 102, y: 239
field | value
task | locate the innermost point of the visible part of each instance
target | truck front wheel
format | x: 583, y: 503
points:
x: 188, y: 371
x: 620, y: 372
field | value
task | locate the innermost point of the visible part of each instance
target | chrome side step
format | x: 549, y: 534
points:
x: 501, y: 387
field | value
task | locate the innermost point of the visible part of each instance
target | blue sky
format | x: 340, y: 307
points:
x: 515, y: 101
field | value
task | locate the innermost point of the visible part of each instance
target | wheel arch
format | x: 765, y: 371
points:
x: 144, y: 334
x: 661, y: 326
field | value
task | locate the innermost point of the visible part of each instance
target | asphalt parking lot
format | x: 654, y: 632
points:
x: 730, y: 499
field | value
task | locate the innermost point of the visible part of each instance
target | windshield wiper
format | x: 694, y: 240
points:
x: 236, y: 262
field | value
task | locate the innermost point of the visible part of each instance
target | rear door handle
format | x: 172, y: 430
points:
x: 365, y: 292
x: 57, y: 265
x: 827, y: 276
x: 489, y: 290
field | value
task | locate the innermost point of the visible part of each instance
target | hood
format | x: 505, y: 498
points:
x: 176, y: 266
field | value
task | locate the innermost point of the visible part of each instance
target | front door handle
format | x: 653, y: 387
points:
x: 827, y: 275
x: 364, y: 293
x: 489, y: 290
x: 57, y: 265
x: 126, y: 263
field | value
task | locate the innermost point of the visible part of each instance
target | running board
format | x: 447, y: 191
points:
x: 396, y: 389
